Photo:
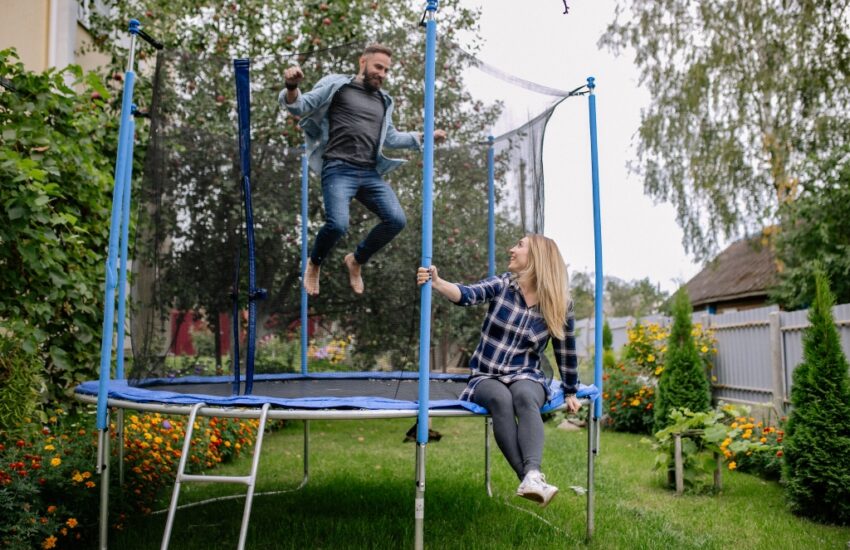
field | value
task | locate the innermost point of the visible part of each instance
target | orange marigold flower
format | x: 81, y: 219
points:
x: 732, y: 465
x: 72, y: 522
x: 49, y: 542
x: 51, y: 509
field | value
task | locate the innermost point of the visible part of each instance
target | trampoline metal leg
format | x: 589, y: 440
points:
x: 119, y: 436
x: 187, y: 442
x: 306, y: 454
x: 419, y: 502
x: 488, y: 422
x: 103, y: 469
x: 592, y: 435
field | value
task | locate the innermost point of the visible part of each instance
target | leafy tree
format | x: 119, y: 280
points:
x: 683, y: 383
x: 56, y: 161
x: 742, y: 92
x: 817, y: 442
x: 634, y: 298
x: 581, y: 291
x: 201, y: 198
x: 816, y: 227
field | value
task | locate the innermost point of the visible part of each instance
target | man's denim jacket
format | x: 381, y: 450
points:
x: 313, y: 107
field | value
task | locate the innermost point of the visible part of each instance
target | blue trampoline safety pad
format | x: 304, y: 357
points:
x: 362, y: 390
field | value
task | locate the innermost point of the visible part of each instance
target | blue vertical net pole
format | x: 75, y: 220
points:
x: 124, y: 152
x: 597, y: 241
x: 125, y: 238
x: 243, y: 104
x: 427, y: 256
x: 491, y: 207
x: 305, y: 176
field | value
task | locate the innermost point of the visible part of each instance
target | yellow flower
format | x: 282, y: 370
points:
x: 49, y: 542
x: 763, y: 440
x: 77, y: 478
x: 635, y: 402
x: 732, y: 465
x: 49, y: 448
x: 658, y: 370
x: 650, y: 358
x: 55, y: 461
x: 71, y: 523
x: 704, y: 349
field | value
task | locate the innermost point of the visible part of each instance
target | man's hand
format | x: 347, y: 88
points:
x: 573, y: 404
x: 439, y: 136
x: 293, y: 75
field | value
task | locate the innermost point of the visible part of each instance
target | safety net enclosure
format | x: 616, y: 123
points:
x: 187, y: 311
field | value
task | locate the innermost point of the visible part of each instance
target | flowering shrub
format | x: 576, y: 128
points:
x: 628, y: 399
x: 38, y: 470
x: 647, y: 346
x: 331, y: 354
x: 55, y: 464
x: 767, y: 461
x: 726, y: 431
x: 630, y: 385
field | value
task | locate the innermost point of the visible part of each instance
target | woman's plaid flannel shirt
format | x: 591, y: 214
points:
x: 514, y: 336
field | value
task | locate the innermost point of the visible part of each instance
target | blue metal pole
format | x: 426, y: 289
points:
x: 114, y: 232
x: 491, y: 208
x: 597, y: 240
x: 427, y: 223
x: 425, y: 294
x: 243, y: 103
x: 125, y: 237
x: 305, y: 176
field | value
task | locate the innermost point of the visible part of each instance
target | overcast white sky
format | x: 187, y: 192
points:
x: 533, y: 40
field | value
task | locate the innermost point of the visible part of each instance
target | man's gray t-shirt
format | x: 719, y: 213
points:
x: 355, y: 118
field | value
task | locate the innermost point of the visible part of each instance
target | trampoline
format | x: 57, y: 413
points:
x: 305, y: 396
x: 297, y: 396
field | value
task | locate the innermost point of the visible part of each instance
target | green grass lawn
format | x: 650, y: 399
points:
x: 361, y: 490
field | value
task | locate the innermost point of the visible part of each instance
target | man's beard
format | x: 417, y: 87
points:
x: 371, y: 81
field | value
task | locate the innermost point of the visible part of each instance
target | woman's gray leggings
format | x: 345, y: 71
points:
x: 517, y: 423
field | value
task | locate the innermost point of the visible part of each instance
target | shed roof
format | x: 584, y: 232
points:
x: 745, y: 268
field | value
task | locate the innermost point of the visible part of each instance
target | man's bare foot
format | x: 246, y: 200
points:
x: 311, y: 278
x: 354, y: 278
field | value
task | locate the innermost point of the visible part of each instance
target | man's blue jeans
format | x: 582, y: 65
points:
x: 342, y: 182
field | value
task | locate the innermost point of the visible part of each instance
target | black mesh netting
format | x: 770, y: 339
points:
x: 189, y: 237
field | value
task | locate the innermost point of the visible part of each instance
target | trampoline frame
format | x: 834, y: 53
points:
x: 306, y: 415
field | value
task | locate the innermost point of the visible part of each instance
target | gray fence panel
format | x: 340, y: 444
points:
x: 742, y: 365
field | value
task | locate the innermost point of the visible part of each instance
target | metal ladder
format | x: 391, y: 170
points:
x: 250, y: 480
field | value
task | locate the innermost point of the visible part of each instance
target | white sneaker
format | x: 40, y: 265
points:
x: 534, y: 487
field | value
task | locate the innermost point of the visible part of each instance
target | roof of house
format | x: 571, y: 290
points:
x: 745, y: 269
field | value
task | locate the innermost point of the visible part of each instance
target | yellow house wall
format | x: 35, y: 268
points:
x: 24, y: 25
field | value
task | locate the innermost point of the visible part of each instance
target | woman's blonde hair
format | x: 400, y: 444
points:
x: 547, y: 273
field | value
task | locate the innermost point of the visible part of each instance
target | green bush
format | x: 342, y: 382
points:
x: 628, y: 399
x: 607, y: 337
x: 684, y: 382
x: 817, y: 443
x: 20, y: 385
x: 57, y: 151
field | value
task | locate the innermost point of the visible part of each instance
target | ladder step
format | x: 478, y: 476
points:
x: 245, y: 480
